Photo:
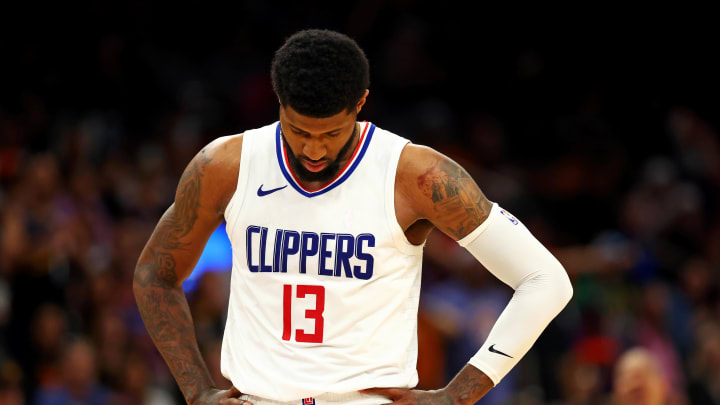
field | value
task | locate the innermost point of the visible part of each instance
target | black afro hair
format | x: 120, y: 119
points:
x: 320, y: 73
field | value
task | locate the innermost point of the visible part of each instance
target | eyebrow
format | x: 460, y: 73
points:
x: 305, y: 132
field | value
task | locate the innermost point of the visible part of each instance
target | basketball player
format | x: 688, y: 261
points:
x: 327, y: 217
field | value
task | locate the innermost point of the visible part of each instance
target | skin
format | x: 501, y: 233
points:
x: 319, y: 140
x: 169, y: 257
x: 638, y: 380
x: 431, y: 191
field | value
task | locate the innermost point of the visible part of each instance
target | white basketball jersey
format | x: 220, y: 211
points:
x: 325, y: 285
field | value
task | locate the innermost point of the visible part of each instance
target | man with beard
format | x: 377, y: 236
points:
x: 327, y: 217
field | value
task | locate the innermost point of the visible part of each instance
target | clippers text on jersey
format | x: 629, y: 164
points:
x: 331, y: 254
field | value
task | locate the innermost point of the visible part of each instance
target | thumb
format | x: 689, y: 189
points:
x: 233, y: 392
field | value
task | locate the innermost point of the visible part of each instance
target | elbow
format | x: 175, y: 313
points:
x: 567, y: 288
x: 140, y: 280
x: 149, y: 276
x: 136, y: 286
x: 552, y: 284
x: 562, y: 287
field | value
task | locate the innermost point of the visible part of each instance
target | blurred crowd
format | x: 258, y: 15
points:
x: 623, y: 190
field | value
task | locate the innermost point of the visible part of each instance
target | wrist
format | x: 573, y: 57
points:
x: 200, y: 396
x: 468, y: 386
x: 445, y: 396
x: 452, y: 397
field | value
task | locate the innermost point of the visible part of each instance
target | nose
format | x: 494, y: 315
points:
x: 314, y: 149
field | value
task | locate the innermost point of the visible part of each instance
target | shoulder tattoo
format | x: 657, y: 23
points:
x: 459, y: 204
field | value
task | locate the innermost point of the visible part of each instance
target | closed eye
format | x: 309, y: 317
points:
x: 300, y: 132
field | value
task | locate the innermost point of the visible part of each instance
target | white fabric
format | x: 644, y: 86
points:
x: 369, y: 335
x: 350, y: 398
x: 542, y: 289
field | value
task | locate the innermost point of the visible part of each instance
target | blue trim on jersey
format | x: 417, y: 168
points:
x: 337, y: 182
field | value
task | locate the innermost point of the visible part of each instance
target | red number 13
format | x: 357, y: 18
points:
x: 302, y: 290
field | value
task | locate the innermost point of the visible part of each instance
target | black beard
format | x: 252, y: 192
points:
x: 323, y: 175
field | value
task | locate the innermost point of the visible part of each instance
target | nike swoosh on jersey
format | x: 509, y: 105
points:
x: 262, y: 192
x: 492, y: 349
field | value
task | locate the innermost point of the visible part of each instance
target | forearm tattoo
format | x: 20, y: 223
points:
x: 459, y: 204
x: 439, y: 397
x: 161, y: 300
x: 469, y: 385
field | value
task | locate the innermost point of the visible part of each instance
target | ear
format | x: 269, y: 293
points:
x: 362, y: 101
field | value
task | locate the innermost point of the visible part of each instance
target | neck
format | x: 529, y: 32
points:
x: 354, y: 139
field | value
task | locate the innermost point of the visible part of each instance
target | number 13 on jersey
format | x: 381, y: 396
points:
x: 316, y: 313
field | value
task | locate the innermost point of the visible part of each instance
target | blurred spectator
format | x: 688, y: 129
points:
x: 78, y: 380
x: 11, y: 392
x: 581, y: 382
x: 638, y: 380
x: 49, y: 330
x: 610, y: 156
x: 704, y: 370
x: 652, y: 332
x: 137, y: 386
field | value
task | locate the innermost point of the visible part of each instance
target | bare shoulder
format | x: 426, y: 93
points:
x: 224, y: 153
x: 441, y: 191
x: 213, y: 173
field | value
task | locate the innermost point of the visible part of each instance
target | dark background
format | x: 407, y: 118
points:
x: 596, y: 128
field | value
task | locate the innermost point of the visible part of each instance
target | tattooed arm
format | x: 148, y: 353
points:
x: 432, y: 191
x: 169, y: 256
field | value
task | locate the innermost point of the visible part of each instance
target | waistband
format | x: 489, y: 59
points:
x: 328, y: 398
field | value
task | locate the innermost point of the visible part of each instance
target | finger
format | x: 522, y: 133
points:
x: 234, y: 401
x: 392, y: 393
x: 233, y: 392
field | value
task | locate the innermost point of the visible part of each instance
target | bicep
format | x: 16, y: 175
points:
x: 444, y: 193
